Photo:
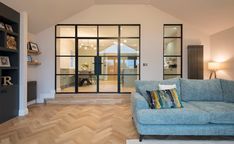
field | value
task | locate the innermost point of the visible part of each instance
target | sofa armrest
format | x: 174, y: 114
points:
x: 138, y: 102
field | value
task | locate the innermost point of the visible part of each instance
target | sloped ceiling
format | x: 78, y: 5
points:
x: 210, y: 16
x: 45, y: 13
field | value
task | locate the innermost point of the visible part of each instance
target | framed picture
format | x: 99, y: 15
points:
x: 9, y: 27
x: 4, y: 61
x: 2, y: 25
x: 11, y: 42
x: 33, y: 46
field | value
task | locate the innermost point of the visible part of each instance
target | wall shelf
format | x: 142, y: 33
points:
x: 33, y: 63
x: 32, y: 52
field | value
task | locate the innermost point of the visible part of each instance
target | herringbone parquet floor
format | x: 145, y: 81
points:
x: 70, y: 124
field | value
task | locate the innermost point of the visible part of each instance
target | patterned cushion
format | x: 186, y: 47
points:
x: 164, y: 99
x: 143, y: 86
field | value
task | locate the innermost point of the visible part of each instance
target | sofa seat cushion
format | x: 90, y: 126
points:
x: 201, y: 90
x: 190, y: 114
x: 220, y: 112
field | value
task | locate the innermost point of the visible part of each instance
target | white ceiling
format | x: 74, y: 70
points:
x: 210, y: 16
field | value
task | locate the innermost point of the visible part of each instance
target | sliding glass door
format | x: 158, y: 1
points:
x: 97, y: 58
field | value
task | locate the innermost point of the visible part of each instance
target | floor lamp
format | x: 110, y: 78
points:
x: 213, y: 67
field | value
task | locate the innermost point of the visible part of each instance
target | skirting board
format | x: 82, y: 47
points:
x: 23, y: 112
x: 31, y: 102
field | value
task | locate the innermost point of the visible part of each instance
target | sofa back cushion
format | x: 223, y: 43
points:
x: 228, y: 90
x: 143, y: 86
x: 201, y: 90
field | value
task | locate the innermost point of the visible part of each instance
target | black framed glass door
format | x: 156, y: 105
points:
x: 97, y: 58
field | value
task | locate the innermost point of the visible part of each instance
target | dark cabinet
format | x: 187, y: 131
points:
x: 195, y: 62
x: 8, y: 102
x: 9, y: 51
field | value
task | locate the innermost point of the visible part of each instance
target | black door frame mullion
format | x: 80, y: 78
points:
x: 76, y: 59
x: 119, y: 65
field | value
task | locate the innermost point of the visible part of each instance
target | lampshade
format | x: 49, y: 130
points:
x: 213, y: 66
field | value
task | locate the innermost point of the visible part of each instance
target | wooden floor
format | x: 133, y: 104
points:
x: 70, y: 124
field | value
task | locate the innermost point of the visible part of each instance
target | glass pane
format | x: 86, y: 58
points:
x: 65, y: 47
x: 87, y: 47
x: 65, y: 83
x: 109, y: 65
x: 129, y: 65
x: 172, y: 65
x: 108, y: 31
x: 108, y: 83
x: 128, y: 82
x: 108, y: 47
x: 129, y: 31
x: 65, y: 31
x: 129, y: 47
x: 172, y: 31
x: 87, y: 83
x: 171, y: 76
x: 172, y: 46
x: 87, y: 31
x: 65, y: 65
x: 86, y: 65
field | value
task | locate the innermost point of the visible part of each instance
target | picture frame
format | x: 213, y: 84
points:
x: 2, y: 25
x: 9, y: 28
x: 33, y: 47
x: 4, y: 61
x: 11, y: 42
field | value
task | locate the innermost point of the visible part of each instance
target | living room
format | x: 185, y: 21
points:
x: 86, y: 55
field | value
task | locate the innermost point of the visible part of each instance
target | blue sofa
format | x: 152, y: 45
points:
x: 208, y: 109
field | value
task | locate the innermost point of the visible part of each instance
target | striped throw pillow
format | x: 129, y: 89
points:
x: 164, y: 99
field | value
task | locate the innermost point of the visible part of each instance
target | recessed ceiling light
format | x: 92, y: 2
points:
x: 125, y: 41
x: 85, y: 48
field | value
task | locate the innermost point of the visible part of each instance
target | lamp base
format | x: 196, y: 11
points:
x: 213, y: 73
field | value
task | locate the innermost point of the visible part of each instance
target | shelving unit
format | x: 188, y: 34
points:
x: 9, y: 94
x: 33, y: 54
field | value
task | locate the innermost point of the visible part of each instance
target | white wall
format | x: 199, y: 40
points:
x: 151, y: 20
x: 222, y: 50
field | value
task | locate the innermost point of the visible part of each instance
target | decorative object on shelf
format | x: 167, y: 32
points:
x: 29, y: 58
x: 2, y: 25
x: 4, y: 61
x: 11, y: 42
x: 9, y: 28
x: 33, y: 50
x: 33, y: 47
x: 213, y: 67
x: 6, y: 80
